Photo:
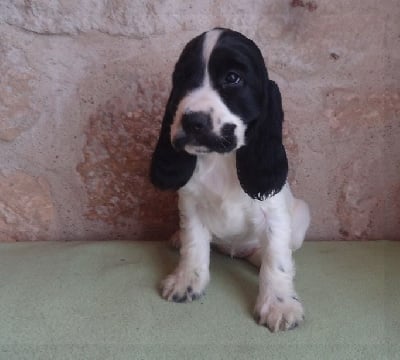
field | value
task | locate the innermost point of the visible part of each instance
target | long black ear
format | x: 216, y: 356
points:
x: 262, y: 164
x: 169, y: 168
x: 172, y: 169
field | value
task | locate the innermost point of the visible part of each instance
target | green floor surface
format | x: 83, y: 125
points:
x: 99, y: 300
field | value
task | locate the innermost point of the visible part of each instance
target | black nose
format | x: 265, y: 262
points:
x: 196, y: 122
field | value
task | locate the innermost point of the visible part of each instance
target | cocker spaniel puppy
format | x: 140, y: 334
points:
x: 221, y: 147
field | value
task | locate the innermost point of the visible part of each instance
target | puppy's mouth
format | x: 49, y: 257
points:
x: 197, y: 150
x: 206, y: 142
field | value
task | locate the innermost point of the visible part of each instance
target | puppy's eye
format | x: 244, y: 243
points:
x: 232, y: 78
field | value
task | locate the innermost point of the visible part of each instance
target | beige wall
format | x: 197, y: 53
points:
x: 83, y: 85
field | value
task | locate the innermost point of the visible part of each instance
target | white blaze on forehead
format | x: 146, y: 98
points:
x: 210, y: 40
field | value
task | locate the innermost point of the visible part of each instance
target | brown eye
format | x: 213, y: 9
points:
x: 232, y: 78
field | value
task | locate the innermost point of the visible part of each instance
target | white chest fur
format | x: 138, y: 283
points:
x: 220, y: 202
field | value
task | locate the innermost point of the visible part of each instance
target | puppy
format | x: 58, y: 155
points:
x: 220, y: 147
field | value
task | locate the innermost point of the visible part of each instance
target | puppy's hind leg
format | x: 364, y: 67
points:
x: 300, y: 221
x: 255, y: 258
x: 175, y: 240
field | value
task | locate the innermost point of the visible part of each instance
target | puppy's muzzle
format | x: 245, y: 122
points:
x: 196, y: 126
x: 196, y: 123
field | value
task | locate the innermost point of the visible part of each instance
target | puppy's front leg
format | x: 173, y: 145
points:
x: 278, y: 306
x: 192, y: 275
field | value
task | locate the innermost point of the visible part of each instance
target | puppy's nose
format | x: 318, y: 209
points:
x: 196, y: 122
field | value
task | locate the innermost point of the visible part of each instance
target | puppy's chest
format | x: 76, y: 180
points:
x: 220, y: 201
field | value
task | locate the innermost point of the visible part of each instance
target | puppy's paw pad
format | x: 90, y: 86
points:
x: 279, y: 313
x: 184, y: 286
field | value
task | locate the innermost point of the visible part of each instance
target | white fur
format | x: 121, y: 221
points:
x: 214, y: 208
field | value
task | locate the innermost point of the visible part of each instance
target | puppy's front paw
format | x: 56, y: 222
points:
x: 279, y: 313
x: 184, y: 285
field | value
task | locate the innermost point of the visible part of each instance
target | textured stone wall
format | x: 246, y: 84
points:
x: 82, y: 90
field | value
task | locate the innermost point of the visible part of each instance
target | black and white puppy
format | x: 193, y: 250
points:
x: 221, y: 147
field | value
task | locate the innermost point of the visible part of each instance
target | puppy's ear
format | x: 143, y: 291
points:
x: 169, y: 168
x: 262, y: 164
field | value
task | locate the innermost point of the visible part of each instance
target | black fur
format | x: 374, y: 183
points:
x: 261, y: 163
x: 171, y: 169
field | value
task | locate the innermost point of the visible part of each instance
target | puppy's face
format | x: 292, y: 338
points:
x: 221, y: 101
x: 218, y: 92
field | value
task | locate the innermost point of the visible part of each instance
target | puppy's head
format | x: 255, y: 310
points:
x: 223, y: 93
x: 222, y: 101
